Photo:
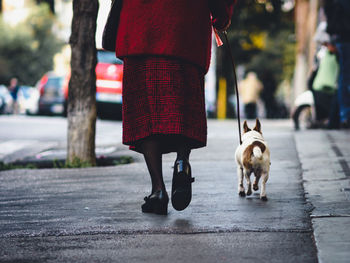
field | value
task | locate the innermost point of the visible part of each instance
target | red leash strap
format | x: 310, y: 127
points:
x: 217, y: 38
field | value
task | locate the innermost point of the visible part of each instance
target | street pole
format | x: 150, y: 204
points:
x: 305, y: 24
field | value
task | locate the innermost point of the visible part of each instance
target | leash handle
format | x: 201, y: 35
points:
x: 217, y: 38
x: 236, y: 86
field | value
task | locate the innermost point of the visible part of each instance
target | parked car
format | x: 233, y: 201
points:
x: 28, y: 99
x: 109, y: 77
x: 53, y: 97
x: 6, y: 101
x: 109, y: 74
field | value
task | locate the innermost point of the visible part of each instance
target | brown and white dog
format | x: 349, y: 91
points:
x: 253, y: 156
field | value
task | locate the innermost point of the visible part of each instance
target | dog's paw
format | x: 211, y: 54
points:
x: 263, y: 198
x: 241, y: 194
x: 255, y: 187
x: 249, y: 192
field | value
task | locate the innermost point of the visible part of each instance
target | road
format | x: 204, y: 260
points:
x: 93, y: 214
x: 21, y: 135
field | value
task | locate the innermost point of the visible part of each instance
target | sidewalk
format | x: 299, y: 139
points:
x: 325, y: 160
x: 93, y: 214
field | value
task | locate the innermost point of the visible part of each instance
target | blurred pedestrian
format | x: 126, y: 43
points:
x: 165, y: 46
x: 323, y: 80
x: 268, y: 94
x: 338, y: 19
x: 249, y: 89
x: 14, y: 88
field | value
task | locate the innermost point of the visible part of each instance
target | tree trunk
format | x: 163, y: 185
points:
x: 82, y: 85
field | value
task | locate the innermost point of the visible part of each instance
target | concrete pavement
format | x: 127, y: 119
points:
x: 93, y: 214
x: 325, y: 160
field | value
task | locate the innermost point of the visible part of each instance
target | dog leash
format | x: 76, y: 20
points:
x: 228, y: 47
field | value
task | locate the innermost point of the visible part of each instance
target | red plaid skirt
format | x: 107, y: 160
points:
x: 163, y: 96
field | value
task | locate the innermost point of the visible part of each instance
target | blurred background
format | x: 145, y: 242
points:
x: 271, y: 38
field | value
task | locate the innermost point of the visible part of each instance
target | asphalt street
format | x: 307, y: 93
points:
x: 94, y: 215
x: 22, y: 136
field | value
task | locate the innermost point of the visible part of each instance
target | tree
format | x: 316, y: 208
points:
x: 27, y: 49
x: 82, y: 84
x: 261, y: 29
x: 51, y: 3
x: 262, y: 39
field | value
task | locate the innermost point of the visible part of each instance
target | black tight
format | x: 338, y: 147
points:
x: 152, y: 151
x: 183, y: 151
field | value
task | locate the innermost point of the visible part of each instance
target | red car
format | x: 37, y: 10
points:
x: 109, y: 75
x: 53, y: 95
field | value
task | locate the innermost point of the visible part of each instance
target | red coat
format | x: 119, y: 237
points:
x: 177, y: 28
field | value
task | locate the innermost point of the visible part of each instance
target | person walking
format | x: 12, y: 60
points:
x: 165, y: 46
x: 14, y: 88
x: 250, y: 89
x: 268, y: 94
x: 323, y: 80
x: 338, y: 20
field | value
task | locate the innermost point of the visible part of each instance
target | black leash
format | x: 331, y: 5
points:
x: 236, y: 86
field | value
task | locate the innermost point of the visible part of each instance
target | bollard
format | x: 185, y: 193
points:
x: 222, y: 99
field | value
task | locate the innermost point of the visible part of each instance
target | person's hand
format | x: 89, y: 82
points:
x: 332, y: 48
x: 227, y: 26
x: 220, y: 25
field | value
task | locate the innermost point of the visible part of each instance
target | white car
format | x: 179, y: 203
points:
x: 6, y: 101
x: 28, y: 100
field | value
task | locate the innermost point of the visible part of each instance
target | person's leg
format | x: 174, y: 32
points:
x: 344, y: 81
x: 246, y: 111
x: 183, y: 151
x: 181, y: 192
x: 250, y: 110
x: 157, y: 201
x: 254, y: 111
x: 333, y: 117
x: 151, y: 149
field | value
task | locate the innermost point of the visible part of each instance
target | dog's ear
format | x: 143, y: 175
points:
x: 257, y: 125
x: 245, y: 127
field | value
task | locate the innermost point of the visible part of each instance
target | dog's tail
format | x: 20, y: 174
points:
x: 257, y: 152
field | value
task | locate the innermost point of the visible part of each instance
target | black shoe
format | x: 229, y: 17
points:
x: 181, y: 191
x: 156, y: 203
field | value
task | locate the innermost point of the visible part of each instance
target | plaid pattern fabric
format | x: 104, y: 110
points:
x: 163, y: 96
